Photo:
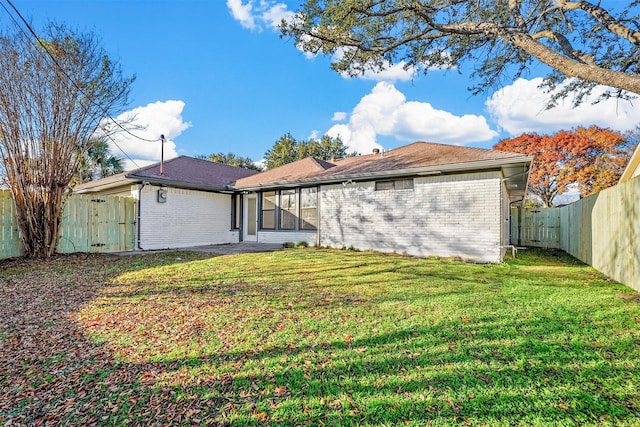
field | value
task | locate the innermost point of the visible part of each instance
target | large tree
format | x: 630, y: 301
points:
x: 287, y: 149
x: 325, y: 148
x: 54, y: 92
x: 591, y: 159
x: 284, y: 150
x: 500, y: 38
x: 232, y: 160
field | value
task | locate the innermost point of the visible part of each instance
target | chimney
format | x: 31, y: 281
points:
x: 376, y: 151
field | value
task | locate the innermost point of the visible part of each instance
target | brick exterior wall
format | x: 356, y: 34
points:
x: 188, y: 218
x: 287, y: 236
x: 453, y: 215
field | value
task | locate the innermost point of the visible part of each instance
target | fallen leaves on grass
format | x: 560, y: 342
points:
x: 358, y: 339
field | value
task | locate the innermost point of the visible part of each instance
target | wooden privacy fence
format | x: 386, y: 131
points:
x: 535, y: 227
x: 602, y: 230
x: 89, y: 224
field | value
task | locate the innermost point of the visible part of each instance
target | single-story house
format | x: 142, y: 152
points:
x: 421, y: 199
x: 188, y: 203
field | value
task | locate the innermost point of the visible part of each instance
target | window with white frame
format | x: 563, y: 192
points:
x: 288, y: 209
x: 308, y: 208
x: 268, y: 210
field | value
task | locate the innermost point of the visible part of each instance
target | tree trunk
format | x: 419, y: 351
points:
x: 38, y: 220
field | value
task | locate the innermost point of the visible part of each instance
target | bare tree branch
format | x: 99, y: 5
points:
x: 47, y: 121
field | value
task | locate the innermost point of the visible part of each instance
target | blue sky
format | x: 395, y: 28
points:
x: 214, y: 76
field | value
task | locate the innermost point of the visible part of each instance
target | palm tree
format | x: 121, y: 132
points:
x: 99, y: 162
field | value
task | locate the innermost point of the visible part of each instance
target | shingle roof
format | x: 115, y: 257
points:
x: 416, y: 155
x: 413, y: 156
x: 190, y: 170
x: 300, y: 169
x: 183, y: 171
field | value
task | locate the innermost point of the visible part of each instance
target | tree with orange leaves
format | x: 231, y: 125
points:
x: 591, y: 159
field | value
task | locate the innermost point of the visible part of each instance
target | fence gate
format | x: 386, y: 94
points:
x: 535, y: 227
x: 97, y: 224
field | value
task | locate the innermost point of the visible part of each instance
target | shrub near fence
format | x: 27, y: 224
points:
x: 602, y: 230
x: 89, y: 224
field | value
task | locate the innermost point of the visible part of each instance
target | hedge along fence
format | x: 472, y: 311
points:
x: 89, y: 224
x: 602, y: 230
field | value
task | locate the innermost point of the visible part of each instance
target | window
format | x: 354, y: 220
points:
x: 308, y: 208
x: 268, y: 210
x: 396, y: 184
x: 384, y: 185
x: 236, y: 202
x: 288, y: 210
x: 403, y: 184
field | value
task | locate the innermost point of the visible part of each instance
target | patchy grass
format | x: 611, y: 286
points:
x: 316, y: 337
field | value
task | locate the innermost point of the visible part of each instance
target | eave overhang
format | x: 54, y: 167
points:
x: 521, y: 163
x: 107, y: 184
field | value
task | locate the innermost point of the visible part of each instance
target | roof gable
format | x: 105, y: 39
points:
x: 193, y: 171
x: 412, y: 157
x: 300, y: 169
x: 182, y: 171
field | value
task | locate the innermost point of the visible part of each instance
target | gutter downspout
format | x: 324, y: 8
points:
x: 319, y: 215
x: 144, y: 183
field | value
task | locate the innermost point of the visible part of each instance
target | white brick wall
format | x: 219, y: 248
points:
x: 287, y: 236
x: 188, y: 218
x: 453, y: 215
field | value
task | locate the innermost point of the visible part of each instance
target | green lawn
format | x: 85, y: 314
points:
x: 316, y: 337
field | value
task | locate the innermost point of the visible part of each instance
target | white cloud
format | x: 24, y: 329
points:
x: 273, y: 14
x: 262, y: 163
x: 153, y: 120
x: 395, y: 72
x: 520, y: 108
x: 313, y: 135
x: 304, y: 38
x: 242, y: 13
x: 391, y: 73
x: 256, y: 15
x: 571, y: 195
x: 339, y: 116
x: 386, y: 112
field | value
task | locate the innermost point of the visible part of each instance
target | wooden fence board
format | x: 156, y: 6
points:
x: 536, y: 227
x: 602, y: 230
x: 11, y: 245
x: 89, y: 224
